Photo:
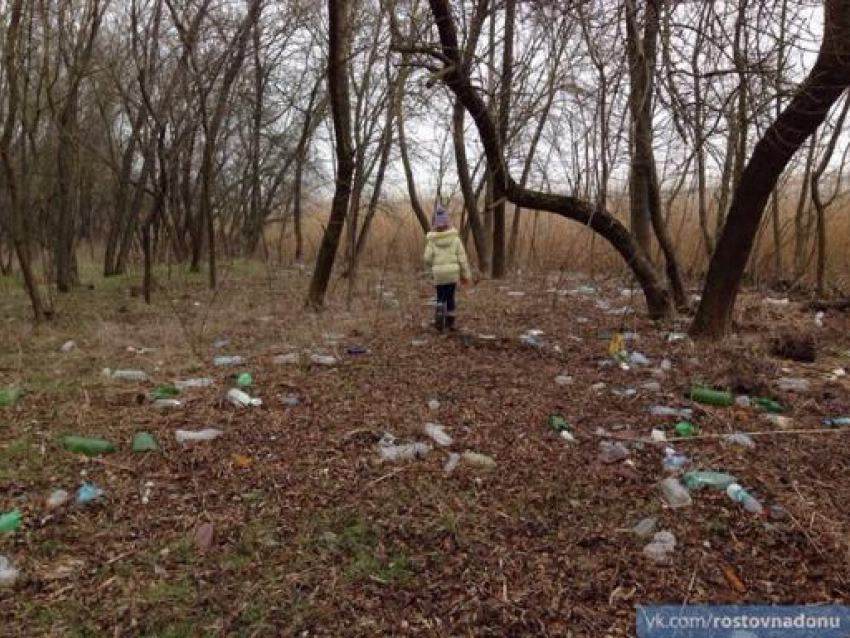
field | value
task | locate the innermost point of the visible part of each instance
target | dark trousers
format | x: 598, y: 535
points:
x: 444, y: 315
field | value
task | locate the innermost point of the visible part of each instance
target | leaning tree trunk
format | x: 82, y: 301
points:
x: 826, y: 82
x: 600, y: 221
x: 340, y: 44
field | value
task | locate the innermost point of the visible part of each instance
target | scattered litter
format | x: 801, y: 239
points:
x: 244, y: 380
x: 651, y: 386
x: 88, y: 494
x: 87, y: 445
x: 287, y: 359
x: 390, y: 451
x: 740, y: 495
x: 438, y: 433
x: 433, y: 405
x: 418, y: 343
x: 638, y: 359
x: 228, y: 360
x: 666, y: 365
x: 563, y: 380
x: 739, y: 438
x: 782, y: 422
x: 586, y: 290
x: 126, y: 375
x: 478, y: 459
x: 167, y: 403
x: 699, y: 479
x: 165, y: 391
x: 193, y: 382
x: 676, y: 336
x: 710, y: 396
x: 776, y: 302
x: 68, y: 346
x: 143, y: 441
x: 596, y: 387
x: 532, y: 338
x: 291, y: 400
x: 793, y: 384
x: 674, y: 493
x: 819, y: 319
x: 559, y: 424
x: 218, y: 344
x: 662, y: 545
x: 207, y: 434
x: 451, y: 463
x: 657, y: 435
x: 241, y: 399
x: 241, y: 460
x: 57, y: 499
x: 686, y: 429
x: 203, y: 537
x: 134, y: 350
x: 743, y: 402
x: 323, y: 359
x: 837, y: 422
x: 147, y: 492
x: 10, y: 521
x: 664, y: 410
x: 672, y: 461
x: 612, y: 452
x: 8, y: 573
x: 768, y: 405
x: 356, y: 349
x: 646, y: 527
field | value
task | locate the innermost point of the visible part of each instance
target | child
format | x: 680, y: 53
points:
x: 445, y: 255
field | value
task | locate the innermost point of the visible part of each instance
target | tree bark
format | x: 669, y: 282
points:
x: 828, y: 79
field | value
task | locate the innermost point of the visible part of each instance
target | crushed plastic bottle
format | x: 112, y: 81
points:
x: 207, y: 434
x: 193, y: 382
x: 836, y: 422
x: 244, y: 380
x: 638, y: 359
x: 699, y: 479
x: 323, y: 360
x: 165, y: 391
x: 563, y: 380
x: 451, y: 463
x: 686, y: 429
x: 651, y: 386
x: 167, y: 403
x: 782, y: 422
x: 10, y: 521
x: 657, y: 435
x: 667, y: 411
x: 438, y: 433
x: 672, y: 461
x: 739, y: 438
x: 612, y: 452
x: 291, y: 400
x: 390, y: 451
x: 287, y: 359
x: 68, y: 346
x: 646, y: 527
x: 740, y: 495
x: 819, y: 319
x: 241, y: 399
x: 743, y: 402
x: 57, y: 499
x: 478, y: 459
x: 143, y: 441
x: 433, y: 405
x: 663, y: 544
x: 793, y: 384
x: 675, y: 494
x: 128, y: 375
x: 88, y: 494
x: 710, y: 396
x: 87, y: 445
x: 768, y: 405
x: 227, y: 360
x: 564, y: 429
x: 8, y: 573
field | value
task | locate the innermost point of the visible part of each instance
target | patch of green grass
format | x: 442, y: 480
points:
x: 180, y: 591
x: 16, y: 455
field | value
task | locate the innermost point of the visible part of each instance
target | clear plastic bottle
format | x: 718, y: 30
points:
x: 227, y: 360
x: 740, y: 495
x: 672, y: 461
x: 129, y: 375
x: 241, y: 399
x: 699, y: 479
x: 207, y: 434
x: 8, y: 573
x: 675, y: 493
x: 739, y: 438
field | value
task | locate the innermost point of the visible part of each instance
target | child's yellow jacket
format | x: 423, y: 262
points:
x: 445, y: 255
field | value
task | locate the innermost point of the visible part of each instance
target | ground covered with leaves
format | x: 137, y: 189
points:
x: 291, y: 524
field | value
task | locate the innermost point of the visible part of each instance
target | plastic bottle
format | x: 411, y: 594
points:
x: 612, y: 452
x: 709, y: 396
x: 167, y: 403
x: 638, y: 359
x: 86, y: 445
x: 557, y: 423
x: 646, y: 526
x: 241, y: 399
x: 740, y: 495
x: 193, y: 382
x: 392, y: 452
x: 782, y: 422
x: 87, y: 494
x: 451, y: 463
x: 699, y: 479
x: 227, y: 360
x: 685, y: 429
x: 673, y: 462
x: 793, y: 384
x: 675, y: 493
x: 662, y: 545
x: 476, y: 458
x: 244, y: 380
x: 144, y: 442
x: 739, y: 438
x: 165, y: 391
x: 768, y: 405
x: 10, y: 521
x: 323, y: 359
x: 664, y: 410
x: 207, y: 434
x: 743, y: 402
x: 437, y: 433
x: 129, y: 375
x: 8, y: 573
x: 837, y: 422
x: 433, y: 405
x: 57, y: 499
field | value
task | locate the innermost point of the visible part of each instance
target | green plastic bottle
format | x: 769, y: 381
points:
x: 699, y: 479
x: 686, y: 429
x: 244, y: 380
x: 10, y: 521
x: 87, y: 445
x: 768, y: 405
x: 143, y: 441
x: 710, y: 396
x: 557, y: 423
x: 165, y: 391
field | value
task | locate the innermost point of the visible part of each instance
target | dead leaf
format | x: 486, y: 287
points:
x: 204, y: 537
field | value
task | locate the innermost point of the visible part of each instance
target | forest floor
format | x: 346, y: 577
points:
x: 314, y: 536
